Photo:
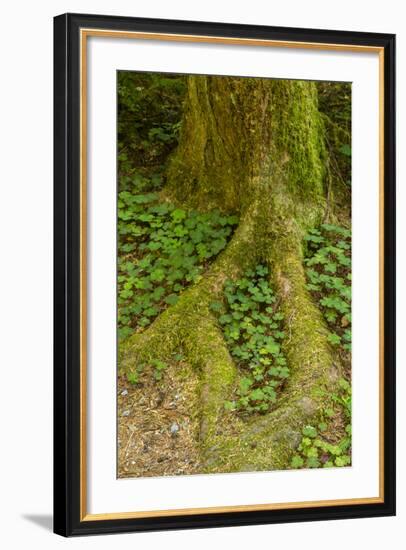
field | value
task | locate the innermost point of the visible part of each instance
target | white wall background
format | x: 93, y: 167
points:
x: 26, y: 271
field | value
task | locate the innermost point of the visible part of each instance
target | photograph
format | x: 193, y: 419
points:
x: 225, y: 253
x: 233, y: 274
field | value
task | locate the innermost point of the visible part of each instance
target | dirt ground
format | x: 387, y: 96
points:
x: 158, y: 425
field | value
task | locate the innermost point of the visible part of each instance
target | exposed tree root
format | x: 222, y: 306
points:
x: 261, y: 442
x: 190, y: 327
x: 165, y: 334
x: 267, y: 442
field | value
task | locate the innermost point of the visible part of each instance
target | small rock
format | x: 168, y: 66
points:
x: 307, y: 405
x: 174, y: 428
x: 124, y: 392
x: 344, y: 321
x: 333, y: 374
x: 126, y: 413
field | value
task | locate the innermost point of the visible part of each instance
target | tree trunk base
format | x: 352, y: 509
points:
x: 227, y: 442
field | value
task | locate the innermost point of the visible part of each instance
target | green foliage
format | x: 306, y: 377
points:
x: 317, y: 448
x: 154, y: 369
x: 162, y: 249
x: 309, y: 431
x: 252, y: 326
x: 328, y: 270
x: 149, y: 112
x: 134, y: 376
x: 345, y: 150
x: 335, y: 105
x: 159, y: 369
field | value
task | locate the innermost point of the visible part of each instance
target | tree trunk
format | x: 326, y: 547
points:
x: 245, y: 137
x: 255, y: 147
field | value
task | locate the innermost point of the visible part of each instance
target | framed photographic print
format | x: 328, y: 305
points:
x: 224, y: 274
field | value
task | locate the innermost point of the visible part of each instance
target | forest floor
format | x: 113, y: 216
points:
x: 157, y: 434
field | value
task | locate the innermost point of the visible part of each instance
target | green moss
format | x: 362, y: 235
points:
x: 298, y: 154
x: 307, y: 350
x: 206, y: 170
x: 243, y: 137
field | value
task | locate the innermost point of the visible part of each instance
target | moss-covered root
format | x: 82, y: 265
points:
x: 190, y: 327
x: 267, y: 443
x: 313, y: 372
x: 312, y: 366
x: 171, y: 329
x: 206, y: 350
